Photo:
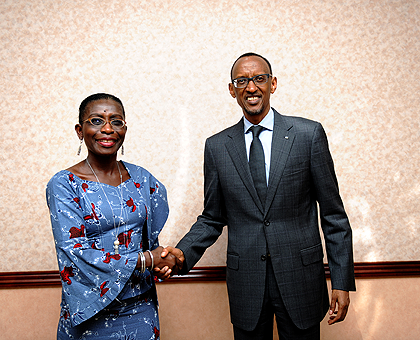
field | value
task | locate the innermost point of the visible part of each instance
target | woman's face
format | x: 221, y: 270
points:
x: 102, y: 140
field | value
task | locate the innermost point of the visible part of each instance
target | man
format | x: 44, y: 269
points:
x: 274, y: 255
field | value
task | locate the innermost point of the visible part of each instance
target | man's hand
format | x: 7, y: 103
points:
x: 171, y: 252
x: 166, y: 264
x: 341, y: 300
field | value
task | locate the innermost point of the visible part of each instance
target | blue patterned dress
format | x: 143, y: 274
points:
x: 103, y: 295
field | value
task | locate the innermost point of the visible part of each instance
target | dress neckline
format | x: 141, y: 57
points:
x: 109, y: 185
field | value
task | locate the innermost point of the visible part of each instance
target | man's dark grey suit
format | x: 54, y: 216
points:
x: 301, y: 175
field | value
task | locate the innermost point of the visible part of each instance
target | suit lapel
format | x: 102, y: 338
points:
x: 281, y: 145
x: 237, y: 152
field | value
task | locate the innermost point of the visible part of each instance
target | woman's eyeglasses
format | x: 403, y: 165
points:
x: 98, y: 122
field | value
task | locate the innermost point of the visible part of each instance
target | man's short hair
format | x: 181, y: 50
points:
x: 250, y: 54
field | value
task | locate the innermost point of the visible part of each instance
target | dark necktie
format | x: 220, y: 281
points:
x: 257, y: 163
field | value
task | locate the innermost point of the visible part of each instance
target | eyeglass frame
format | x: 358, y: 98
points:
x: 106, y: 121
x: 234, y: 81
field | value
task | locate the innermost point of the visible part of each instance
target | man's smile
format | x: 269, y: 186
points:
x: 252, y: 99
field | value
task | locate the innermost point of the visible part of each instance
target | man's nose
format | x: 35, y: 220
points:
x: 251, y: 87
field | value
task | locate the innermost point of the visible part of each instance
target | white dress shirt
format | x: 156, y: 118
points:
x: 266, y: 137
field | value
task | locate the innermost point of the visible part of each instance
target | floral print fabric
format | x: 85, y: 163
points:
x: 85, y: 224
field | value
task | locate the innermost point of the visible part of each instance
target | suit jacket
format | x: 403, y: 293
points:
x: 302, y: 178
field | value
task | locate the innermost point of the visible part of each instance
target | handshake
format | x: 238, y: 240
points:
x: 166, y: 261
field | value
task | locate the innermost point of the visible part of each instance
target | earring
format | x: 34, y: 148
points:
x: 122, y: 150
x: 80, y: 147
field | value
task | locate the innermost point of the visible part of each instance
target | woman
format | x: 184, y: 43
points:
x: 106, y: 216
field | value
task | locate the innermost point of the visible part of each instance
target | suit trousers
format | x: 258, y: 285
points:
x: 273, y: 306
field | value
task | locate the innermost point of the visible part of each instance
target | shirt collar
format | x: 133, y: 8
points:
x: 267, y: 122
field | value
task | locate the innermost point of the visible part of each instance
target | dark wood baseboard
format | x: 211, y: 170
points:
x: 209, y: 274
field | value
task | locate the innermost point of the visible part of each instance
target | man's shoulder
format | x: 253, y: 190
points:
x: 296, y: 122
x: 295, y: 119
x: 229, y: 131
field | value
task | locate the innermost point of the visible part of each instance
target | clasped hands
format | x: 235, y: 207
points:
x: 167, y: 261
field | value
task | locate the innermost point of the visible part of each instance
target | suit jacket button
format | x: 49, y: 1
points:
x: 266, y: 223
x: 263, y: 257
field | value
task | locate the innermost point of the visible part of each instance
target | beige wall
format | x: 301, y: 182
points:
x: 382, y: 309
x: 353, y: 65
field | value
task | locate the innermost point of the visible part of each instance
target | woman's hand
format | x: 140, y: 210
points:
x: 170, y: 253
x: 163, y: 266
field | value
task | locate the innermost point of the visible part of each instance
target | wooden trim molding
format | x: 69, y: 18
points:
x: 209, y: 274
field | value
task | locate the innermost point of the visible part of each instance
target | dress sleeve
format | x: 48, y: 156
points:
x: 91, y: 277
x: 158, y: 211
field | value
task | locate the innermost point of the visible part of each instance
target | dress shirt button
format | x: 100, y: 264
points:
x: 266, y: 223
x: 263, y: 257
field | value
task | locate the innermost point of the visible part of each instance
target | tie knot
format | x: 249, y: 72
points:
x: 256, y: 130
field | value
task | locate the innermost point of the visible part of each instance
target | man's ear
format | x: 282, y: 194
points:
x: 273, y: 85
x: 232, y: 90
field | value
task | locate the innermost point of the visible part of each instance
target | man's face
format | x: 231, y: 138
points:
x: 254, y: 100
